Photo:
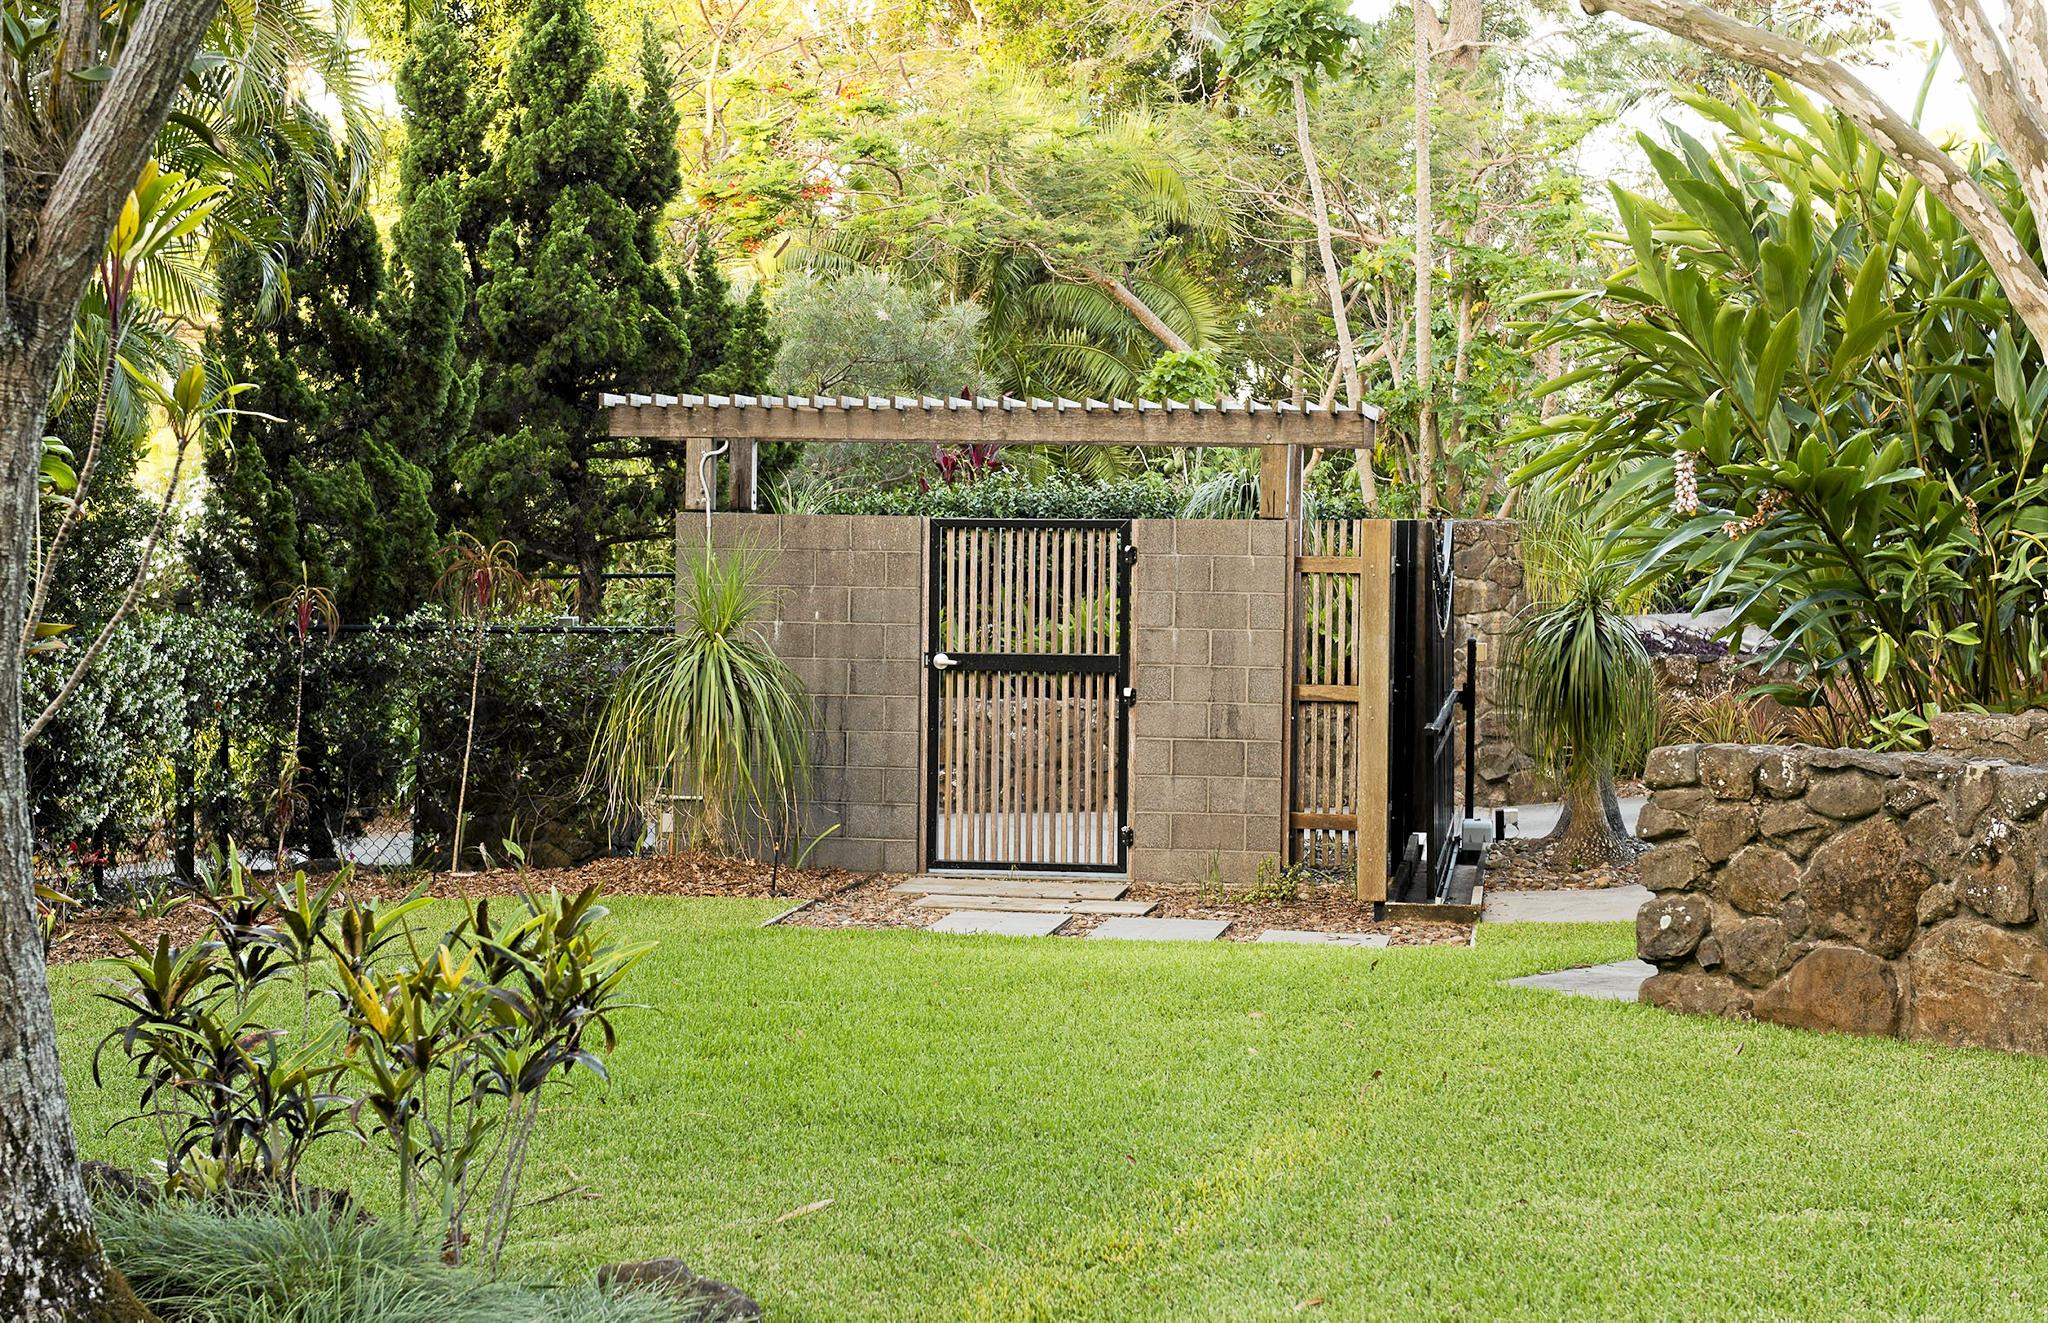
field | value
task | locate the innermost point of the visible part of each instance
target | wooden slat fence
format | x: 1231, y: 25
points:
x: 1342, y: 615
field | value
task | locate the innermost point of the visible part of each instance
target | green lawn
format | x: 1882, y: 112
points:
x: 1062, y: 1129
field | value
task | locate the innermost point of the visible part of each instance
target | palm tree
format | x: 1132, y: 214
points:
x: 1577, y: 681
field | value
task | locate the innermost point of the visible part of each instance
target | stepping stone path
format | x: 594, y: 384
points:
x: 1041, y: 889
x: 1620, y: 981
x: 1160, y: 930
x: 1002, y: 923
x: 1034, y: 905
x: 1040, y: 907
x: 1303, y: 937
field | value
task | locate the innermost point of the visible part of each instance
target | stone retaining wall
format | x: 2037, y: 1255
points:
x: 1486, y: 560
x: 1892, y: 894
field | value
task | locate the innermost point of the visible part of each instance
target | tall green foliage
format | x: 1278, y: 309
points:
x: 710, y: 716
x: 358, y: 394
x: 572, y: 300
x: 1813, y: 404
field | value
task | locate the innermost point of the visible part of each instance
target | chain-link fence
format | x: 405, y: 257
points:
x: 344, y: 749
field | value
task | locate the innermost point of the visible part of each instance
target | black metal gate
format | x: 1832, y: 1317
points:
x: 1422, y: 770
x: 1028, y: 659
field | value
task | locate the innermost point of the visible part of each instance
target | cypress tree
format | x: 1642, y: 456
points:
x: 315, y: 483
x: 573, y: 300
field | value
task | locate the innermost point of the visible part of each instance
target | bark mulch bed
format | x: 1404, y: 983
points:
x: 1521, y: 865
x: 95, y: 934
x: 871, y: 904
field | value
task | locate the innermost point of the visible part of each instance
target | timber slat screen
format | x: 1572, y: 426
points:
x: 1029, y: 672
x: 1338, y: 758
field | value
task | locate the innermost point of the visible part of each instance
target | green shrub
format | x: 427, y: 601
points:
x: 1804, y: 391
x: 167, y: 689
x: 1010, y: 495
x: 710, y: 713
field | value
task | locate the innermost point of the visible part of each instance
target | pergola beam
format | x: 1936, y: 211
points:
x: 907, y: 420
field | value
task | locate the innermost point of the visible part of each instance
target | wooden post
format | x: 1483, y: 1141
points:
x: 742, y: 461
x: 1276, y: 494
x: 694, y: 449
x: 1375, y: 698
x: 1291, y: 651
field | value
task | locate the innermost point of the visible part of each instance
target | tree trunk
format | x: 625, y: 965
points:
x: 1590, y: 830
x: 1128, y: 299
x: 1425, y: 254
x: 1333, y: 280
x: 51, y: 1265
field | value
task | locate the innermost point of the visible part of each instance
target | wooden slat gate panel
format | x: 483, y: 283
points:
x: 1338, y: 753
x: 1029, y: 665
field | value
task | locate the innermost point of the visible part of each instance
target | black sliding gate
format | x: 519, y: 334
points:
x: 1422, y: 756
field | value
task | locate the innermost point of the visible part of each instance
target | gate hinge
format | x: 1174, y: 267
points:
x: 1127, y: 834
x: 1129, y: 696
x: 1129, y: 551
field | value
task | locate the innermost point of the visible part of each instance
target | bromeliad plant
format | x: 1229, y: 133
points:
x: 710, y: 715
x: 1815, y: 406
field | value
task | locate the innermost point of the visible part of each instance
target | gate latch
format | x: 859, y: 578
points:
x: 941, y: 662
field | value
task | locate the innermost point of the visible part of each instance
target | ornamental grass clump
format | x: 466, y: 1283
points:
x: 711, y: 717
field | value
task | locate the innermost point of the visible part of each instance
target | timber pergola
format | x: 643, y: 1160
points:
x: 1283, y: 433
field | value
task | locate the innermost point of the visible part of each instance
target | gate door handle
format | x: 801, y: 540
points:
x: 941, y: 662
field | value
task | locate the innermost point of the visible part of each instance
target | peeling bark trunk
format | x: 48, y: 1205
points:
x: 1425, y: 254
x: 51, y: 1264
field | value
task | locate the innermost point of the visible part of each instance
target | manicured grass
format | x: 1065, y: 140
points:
x: 1038, y: 1128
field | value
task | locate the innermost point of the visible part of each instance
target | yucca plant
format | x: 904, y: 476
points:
x: 1577, y: 682
x: 710, y: 713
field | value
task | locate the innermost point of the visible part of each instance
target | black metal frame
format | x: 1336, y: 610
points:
x: 1118, y: 665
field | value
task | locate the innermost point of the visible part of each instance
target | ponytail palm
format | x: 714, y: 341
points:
x: 711, y: 713
x: 1578, y: 685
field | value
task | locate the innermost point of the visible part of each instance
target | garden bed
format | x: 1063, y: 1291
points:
x: 1520, y: 865
x: 871, y: 903
x: 95, y: 934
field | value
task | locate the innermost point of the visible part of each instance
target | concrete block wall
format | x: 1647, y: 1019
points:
x: 848, y: 616
x: 1209, y: 663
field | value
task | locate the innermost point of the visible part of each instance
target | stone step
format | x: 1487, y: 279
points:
x: 1034, y: 904
x: 1001, y: 923
x: 1160, y: 930
x: 1042, y: 889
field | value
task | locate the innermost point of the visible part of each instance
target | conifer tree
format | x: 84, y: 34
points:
x: 573, y: 300
x: 316, y: 483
